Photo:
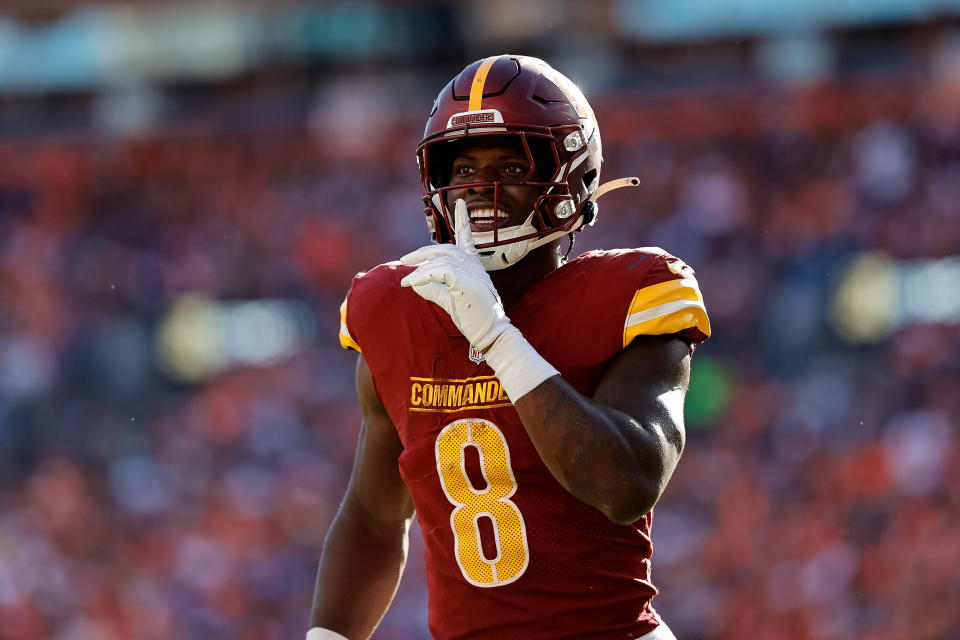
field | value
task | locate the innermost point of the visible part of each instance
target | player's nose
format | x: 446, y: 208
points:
x: 485, y: 173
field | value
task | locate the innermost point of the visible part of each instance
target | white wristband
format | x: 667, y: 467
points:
x: 319, y: 633
x: 518, y: 365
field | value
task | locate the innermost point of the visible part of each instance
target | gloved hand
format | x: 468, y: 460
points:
x: 452, y: 277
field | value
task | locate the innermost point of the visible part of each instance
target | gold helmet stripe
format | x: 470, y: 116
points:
x: 476, y: 89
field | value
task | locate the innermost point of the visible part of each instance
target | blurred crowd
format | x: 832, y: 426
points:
x: 819, y: 492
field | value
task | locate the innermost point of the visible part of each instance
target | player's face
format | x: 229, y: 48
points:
x: 489, y: 159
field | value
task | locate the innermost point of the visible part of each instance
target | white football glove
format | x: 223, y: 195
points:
x: 452, y: 277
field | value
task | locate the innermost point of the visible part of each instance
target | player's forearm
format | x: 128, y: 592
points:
x: 602, y: 456
x: 360, y: 568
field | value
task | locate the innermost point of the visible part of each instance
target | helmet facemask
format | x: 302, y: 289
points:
x: 553, y: 214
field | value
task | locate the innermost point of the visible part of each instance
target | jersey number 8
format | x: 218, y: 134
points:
x: 471, y: 504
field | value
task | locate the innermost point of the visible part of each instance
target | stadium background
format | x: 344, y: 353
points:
x: 187, y: 188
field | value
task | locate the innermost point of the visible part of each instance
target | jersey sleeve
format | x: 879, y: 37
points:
x: 364, y: 314
x: 667, y: 300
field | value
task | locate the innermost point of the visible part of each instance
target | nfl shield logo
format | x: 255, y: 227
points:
x: 475, y: 354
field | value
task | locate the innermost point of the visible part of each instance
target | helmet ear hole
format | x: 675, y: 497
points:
x: 588, y: 179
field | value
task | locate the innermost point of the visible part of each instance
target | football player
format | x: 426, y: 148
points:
x: 529, y: 410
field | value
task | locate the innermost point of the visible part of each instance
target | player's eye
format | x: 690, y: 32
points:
x: 515, y: 169
x: 462, y: 169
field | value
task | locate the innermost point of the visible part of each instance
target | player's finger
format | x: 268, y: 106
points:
x: 430, y: 252
x: 436, y: 293
x: 439, y: 273
x: 461, y: 227
x: 421, y: 255
x: 415, y: 278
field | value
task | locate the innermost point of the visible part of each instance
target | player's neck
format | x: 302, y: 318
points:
x: 512, y: 283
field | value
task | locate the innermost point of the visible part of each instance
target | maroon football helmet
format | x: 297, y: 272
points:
x: 519, y: 96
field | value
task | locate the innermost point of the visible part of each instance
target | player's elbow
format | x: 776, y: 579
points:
x: 635, y: 502
x: 633, y: 494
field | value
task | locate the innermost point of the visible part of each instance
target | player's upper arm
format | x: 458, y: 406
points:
x: 377, y: 492
x: 648, y: 381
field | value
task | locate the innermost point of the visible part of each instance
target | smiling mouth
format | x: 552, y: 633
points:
x: 483, y: 219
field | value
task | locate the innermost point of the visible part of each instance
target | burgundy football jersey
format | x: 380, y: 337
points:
x: 509, y: 552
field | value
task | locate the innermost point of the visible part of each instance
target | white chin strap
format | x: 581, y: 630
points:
x: 507, y: 255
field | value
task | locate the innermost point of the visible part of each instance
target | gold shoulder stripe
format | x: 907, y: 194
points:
x: 657, y: 294
x: 673, y: 323
x: 666, y: 307
x: 346, y: 340
x: 480, y: 79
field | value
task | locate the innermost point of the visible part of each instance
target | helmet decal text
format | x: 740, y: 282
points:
x: 484, y: 116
